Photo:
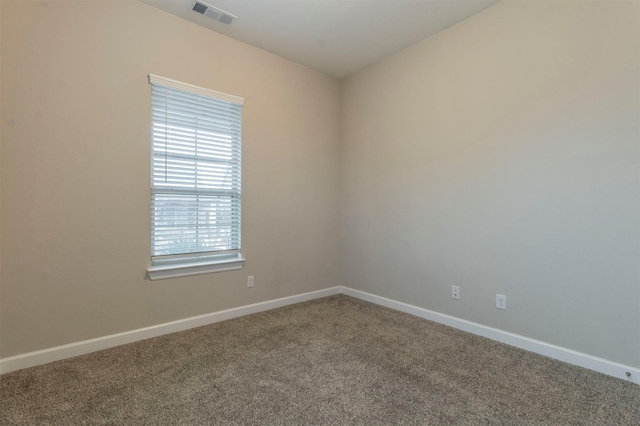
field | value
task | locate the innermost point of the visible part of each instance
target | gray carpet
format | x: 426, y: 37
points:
x: 336, y: 360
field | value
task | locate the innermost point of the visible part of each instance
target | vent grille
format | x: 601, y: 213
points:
x: 213, y: 13
x: 226, y: 19
x: 200, y: 8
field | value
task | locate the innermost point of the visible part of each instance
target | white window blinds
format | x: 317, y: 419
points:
x: 195, y: 171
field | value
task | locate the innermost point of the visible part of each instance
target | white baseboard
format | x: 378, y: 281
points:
x: 57, y: 353
x: 552, y: 351
x: 570, y: 356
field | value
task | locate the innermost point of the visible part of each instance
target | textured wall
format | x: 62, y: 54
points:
x: 75, y: 171
x: 502, y: 155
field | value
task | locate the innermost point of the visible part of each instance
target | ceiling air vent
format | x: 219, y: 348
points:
x: 213, y: 13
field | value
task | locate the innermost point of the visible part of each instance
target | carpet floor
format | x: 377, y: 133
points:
x: 331, y: 361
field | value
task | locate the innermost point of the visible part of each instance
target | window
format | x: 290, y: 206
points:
x: 195, y: 180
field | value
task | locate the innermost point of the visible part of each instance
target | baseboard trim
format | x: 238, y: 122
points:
x: 552, y: 351
x: 32, y: 359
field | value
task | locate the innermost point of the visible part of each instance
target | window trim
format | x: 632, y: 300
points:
x: 194, y: 266
x: 189, y: 264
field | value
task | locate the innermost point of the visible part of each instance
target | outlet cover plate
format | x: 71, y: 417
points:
x: 455, y: 291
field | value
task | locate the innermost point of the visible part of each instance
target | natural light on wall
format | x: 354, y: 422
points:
x: 195, y: 180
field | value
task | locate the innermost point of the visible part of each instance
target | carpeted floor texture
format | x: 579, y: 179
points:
x: 332, y: 361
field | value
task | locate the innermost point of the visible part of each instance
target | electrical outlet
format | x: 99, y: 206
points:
x: 250, y: 281
x: 501, y: 301
x: 455, y: 291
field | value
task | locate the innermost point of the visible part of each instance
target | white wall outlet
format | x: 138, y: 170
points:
x: 501, y: 301
x: 455, y: 291
x: 250, y: 281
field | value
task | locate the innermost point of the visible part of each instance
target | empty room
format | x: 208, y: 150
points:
x: 259, y: 212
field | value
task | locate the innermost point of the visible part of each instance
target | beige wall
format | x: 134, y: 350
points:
x: 502, y: 155
x: 75, y: 171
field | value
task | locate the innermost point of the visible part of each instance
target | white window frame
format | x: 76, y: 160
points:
x: 193, y: 263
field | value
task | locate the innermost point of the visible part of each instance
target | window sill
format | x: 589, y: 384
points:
x: 193, y: 268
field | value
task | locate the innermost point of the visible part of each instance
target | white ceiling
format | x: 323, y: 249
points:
x: 336, y: 37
